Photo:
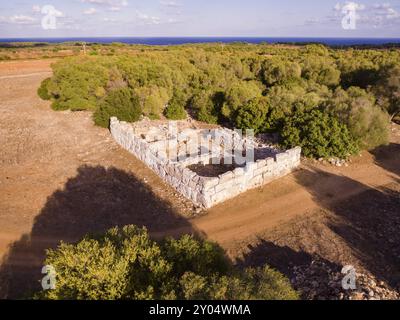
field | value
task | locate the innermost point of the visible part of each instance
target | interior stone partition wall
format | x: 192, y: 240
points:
x: 169, y: 153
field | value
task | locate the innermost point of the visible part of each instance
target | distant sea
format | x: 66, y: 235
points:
x: 188, y: 40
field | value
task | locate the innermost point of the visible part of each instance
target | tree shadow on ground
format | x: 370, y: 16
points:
x: 368, y: 219
x: 388, y: 157
x: 280, y: 258
x: 95, y: 200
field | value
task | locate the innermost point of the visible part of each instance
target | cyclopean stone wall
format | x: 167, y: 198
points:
x: 169, y: 156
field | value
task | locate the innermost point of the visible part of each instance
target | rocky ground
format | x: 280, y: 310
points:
x: 321, y: 281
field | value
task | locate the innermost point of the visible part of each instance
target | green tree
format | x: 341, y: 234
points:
x: 207, y: 106
x: 126, y: 264
x: 322, y: 70
x: 252, y: 115
x: 388, y: 91
x: 153, y: 100
x: 120, y: 103
x: 43, y: 91
x: 367, y: 123
x: 76, y: 83
x: 277, y: 71
x: 237, y: 95
x: 319, y: 134
x: 175, y: 110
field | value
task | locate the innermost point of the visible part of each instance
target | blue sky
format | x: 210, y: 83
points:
x: 268, y: 18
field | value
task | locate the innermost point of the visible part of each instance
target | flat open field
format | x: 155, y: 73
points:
x: 61, y: 177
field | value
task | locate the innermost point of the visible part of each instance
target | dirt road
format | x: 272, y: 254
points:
x: 61, y: 177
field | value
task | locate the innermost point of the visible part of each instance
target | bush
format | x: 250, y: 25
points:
x: 252, y: 115
x: 284, y: 100
x: 320, y: 70
x: 77, y: 83
x: 120, y: 103
x: 43, y: 90
x: 126, y: 264
x: 367, y: 123
x: 152, y: 100
x: 277, y: 71
x: 388, y: 90
x: 319, y: 134
x: 4, y: 57
x: 239, y: 94
x: 207, y: 106
x: 175, y: 109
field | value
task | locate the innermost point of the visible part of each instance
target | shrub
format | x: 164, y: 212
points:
x: 207, y: 106
x: 252, y: 115
x: 319, y: 134
x: 120, y: 103
x: 4, y: 57
x: 251, y: 284
x: 321, y: 70
x: 388, y: 90
x: 126, y: 264
x: 239, y: 94
x: 77, y: 82
x: 152, y: 100
x: 277, y: 71
x: 43, y: 90
x: 175, y: 109
x: 175, y: 112
x: 284, y: 100
x: 367, y: 123
x: 254, y: 284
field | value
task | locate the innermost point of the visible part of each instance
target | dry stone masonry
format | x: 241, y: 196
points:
x: 173, y: 153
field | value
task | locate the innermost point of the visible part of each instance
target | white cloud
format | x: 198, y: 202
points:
x: 90, y: 11
x: 376, y: 15
x: 380, y: 15
x: 111, y: 3
x: 171, y: 3
x: 381, y: 5
x: 18, y: 19
x: 349, y: 5
x: 36, y: 9
x: 392, y: 14
x: 312, y: 21
x: 147, y: 18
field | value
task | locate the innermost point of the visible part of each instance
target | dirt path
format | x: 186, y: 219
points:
x: 61, y: 177
x: 282, y: 200
x: 48, y: 73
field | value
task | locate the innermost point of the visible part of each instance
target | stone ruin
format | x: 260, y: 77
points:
x: 207, y: 166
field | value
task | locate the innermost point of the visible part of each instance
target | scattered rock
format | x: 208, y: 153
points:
x: 337, y: 162
x: 321, y: 280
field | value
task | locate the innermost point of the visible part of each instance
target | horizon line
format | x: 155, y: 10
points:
x: 202, y: 37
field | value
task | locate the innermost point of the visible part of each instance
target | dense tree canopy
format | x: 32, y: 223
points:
x: 256, y: 86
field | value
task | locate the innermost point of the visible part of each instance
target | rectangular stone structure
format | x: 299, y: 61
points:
x: 170, y: 154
